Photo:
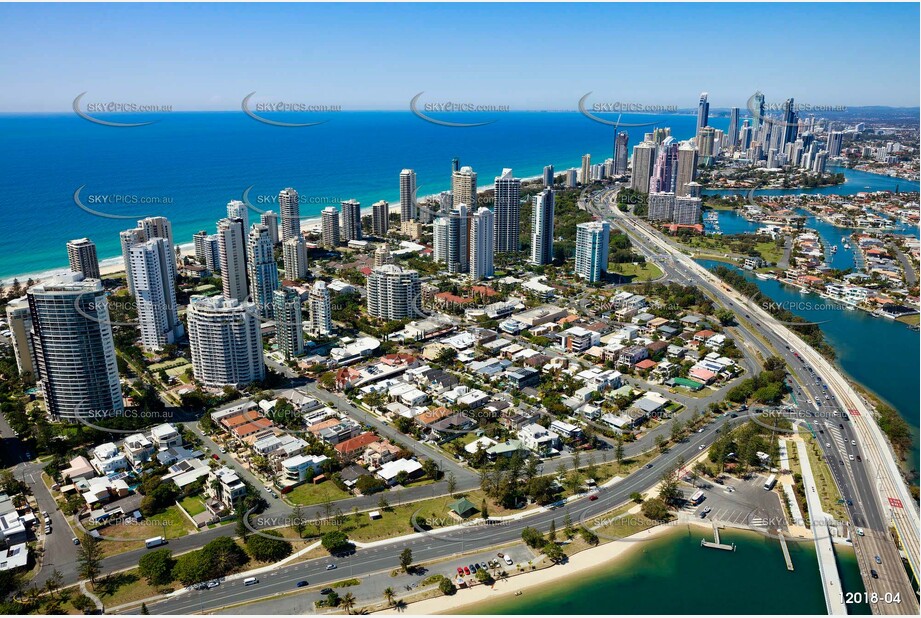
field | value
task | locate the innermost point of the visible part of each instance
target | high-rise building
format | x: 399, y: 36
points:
x: 571, y: 178
x: 586, y: 173
x: 380, y: 218
x: 382, y: 256
x: 225, y: 341
x: 661, y: 206
x: 294, y: 256
x: 820, y: 161
x: 320, y: 309
x: 440, y: 240
x: 703, y: 112
x: 458, y: 258
x: 263, y: 270
x: 745, y: 137
x: 73, y: 347
x: 705, y: 141
x: 592, y: 242
x: 542, y: 228
x: 734, y: 128
x: 547, y: 177
x: 621, y: 154
x: 408, y: 210
x: 154, y: 277
x: 147, y: 228
x: 270, y: 219
x: 665, y: 169
x: 289, y: 335
x: 463, y: 186
x: 757, y: 111
x: 687, y: 167
x: 351, y: 220
x: 393, y: 293
x: 231, y: 244
x: 82, y: 256
x: 212, y: 253
x: 790, y: 123
x: 20, y: 325
x: 687, y: 210
x: 237, y: 210
x: 835, y: 141
x: 508, y: 212
x: 157, y: 227
x: 644, y: 158
x: 693, y: 189
x: 198, y: 240
x: 329, y: 220
x: 290, y: 209
x: 481, y: 244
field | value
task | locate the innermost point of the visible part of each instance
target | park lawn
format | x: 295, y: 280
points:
x: 769, y: 251
x: 125, y: 587
x: 309, y: 493
x: 193, y: 505
x: 638, y: 272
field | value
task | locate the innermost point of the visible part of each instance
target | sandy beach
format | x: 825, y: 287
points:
x: 583, y: 562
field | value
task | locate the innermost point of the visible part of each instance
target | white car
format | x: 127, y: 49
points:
x: 853, y: 442
x: 508, y: 560
x: 213, y: 584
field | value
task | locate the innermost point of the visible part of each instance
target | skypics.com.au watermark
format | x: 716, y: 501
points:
x: 92, y: 203
x: 261, y: 203
x: 86, y: 111
x: 90, y: 417
x: 423, y: 109
x: 257, y: 110
x: 590, y: 111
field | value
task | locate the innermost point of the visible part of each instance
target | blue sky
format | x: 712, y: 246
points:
x: 527, y: 56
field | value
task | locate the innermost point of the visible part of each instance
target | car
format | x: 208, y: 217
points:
x: 849, y: 502
x: 859, y: 531
x: 222, y: 449
x: 858, y: 458
x: 878, y: 559
x: 700, y: 448
x: 828, y: 445
x: 840, y: 462
x: 593, y: 497
x: 648, y: 466
x: 273, y: 494
x: 851, y: 457
x: 483, y: 566
x: 326, y: 591
x: 466, y: 570
x: 460, y: 570
x: 733, y: 415
x: 840, y: 425
x: 874, y: 574
x: 701, y: 430
x: 330, y: 567
x: 508, y: 560
x: 302, y: 583
x: 853, y: 442
x: 213, y: 584
x: 47, y: 529
x: 75, y: 541
x: 44, y: 513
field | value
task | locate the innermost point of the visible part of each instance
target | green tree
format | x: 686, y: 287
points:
x: 265, y: 549
x: 348, y: 602
x: 452, y: 483
x: 89, y: 558
x: 669, y: 489
x: 447, y: 587
x: 390, y: 596
x: 335, y: 541
x: 554, y: 552
x: 589, y: 536
x: 406, y: 559
x: 144, y: 610
x: 157, y: 567
x: 298, y: 520
x: 655, y: 509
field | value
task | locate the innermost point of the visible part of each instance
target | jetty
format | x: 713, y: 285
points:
x: 715, y: 543
x: 786, y: 550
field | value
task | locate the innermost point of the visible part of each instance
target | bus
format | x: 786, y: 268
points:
x: 769, y: 484
x: 155, y: 542
x: 697, y: 497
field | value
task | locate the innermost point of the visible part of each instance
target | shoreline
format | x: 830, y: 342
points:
x: 586, y: 560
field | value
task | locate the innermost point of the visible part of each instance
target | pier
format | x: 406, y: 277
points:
x: 786, y: 551
x: 715, y: 543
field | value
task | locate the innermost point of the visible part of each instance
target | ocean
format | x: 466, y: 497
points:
x: 187, y: 166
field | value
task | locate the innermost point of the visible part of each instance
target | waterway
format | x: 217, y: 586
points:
x: 674, y: 575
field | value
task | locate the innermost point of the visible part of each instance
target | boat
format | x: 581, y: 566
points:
x: 803, y: 291
x: 763, y: 276
x: 834, y: 248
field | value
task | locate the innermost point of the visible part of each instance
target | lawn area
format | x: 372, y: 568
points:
x: 769, y: 251
x: 636, y: 272
x: 170, y: 524
x: 828, y: 491
x: 316, y: 494
x: 193, y: 505
x: 125, y: 587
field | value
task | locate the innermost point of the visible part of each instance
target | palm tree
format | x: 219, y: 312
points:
x: 390, y: 595
x: 348, y: 602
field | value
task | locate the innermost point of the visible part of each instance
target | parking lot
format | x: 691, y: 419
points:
x: 739, y: 502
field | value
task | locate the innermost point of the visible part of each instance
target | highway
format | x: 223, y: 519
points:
x: 869, y: 485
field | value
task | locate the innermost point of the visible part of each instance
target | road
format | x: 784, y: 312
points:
x: 869, y: 505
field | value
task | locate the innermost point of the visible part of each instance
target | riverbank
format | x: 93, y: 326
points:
x: 506, y: 589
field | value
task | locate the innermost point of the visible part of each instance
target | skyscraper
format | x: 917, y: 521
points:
x: 592, y: 241
x: 382, y: 256
x: 20, y: 325
x: 542, y: 228
x: 790, y: 123
x: 329, y: 220
x: 661, y: 206
x: 463, y: 186
x: 665, y: 169
x: 687, y: 167
x: 621, y: 153
x: 147, y: 228
x: 74, y: 349
x: 508, y: 212
x: 231, y: 246
x: 290, y: 209
x: 687, y: 210
x: 393, y: 293
x: 547, y: 176
x: 270, y: 219
x: 320, y: 309
x: 835, y: 141
x: 82, y: 256
x: 408, y: 196
x: 289, y: 336
x: 198, y: 240
x: 643, y: 160
x: 458, y: 258
x: 757, y: 111
x: 351, y: 220
x: 481, y: 244
x: 294, y: 256
x: 237, y: 210
x: 128, y: 239
x: 225, y: 342
x: 734, y: 128
x: 154, y: 279
x: 705, y: 142
x: 263, y: 271
x: 586, y: 173
x: 440, y: 240
x: 703, y: 112
x: 380, y: 218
